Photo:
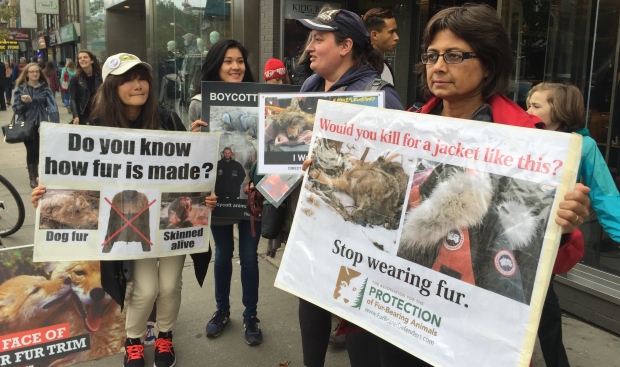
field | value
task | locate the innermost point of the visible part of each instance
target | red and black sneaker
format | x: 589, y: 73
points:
x: 164, y: 352
x: 134, y: 353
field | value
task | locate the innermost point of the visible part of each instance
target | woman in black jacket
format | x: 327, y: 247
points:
x: 4, y: 82
x: 84, y: 86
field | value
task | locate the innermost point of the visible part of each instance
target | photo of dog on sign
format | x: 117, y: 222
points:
x: 129, y: 220
x: 69, y: 209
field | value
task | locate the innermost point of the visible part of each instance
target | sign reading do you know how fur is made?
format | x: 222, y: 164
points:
x: 116, y: 194
x: 438, y: 234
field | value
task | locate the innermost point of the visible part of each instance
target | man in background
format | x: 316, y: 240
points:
x: 381, y: 25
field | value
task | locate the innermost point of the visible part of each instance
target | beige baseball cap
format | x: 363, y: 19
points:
x: 119, y: 64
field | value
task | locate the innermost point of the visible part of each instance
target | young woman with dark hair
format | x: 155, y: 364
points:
x: 84, y: 86
x: 227, y: 61
x: 127, y: 99
x: 342, y: 58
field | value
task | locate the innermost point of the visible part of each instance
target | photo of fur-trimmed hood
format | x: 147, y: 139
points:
x: 501, y: 219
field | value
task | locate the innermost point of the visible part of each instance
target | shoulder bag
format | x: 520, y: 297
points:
x: 18, y: 132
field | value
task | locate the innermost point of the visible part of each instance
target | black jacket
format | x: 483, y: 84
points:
x: 80, y: 94
x: 116, y: 273
x: 4, y: 81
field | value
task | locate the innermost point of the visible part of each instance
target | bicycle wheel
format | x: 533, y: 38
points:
x: 12, y: 210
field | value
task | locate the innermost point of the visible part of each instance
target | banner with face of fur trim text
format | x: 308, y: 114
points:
x: 436, y: 234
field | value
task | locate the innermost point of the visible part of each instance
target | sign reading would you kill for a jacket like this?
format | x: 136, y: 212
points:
x: 436, y: 234
x: 123, y: 193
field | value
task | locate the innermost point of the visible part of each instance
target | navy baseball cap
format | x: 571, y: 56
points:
x: 344, y: 21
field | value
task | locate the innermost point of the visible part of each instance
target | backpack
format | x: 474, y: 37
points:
x: 374, y: 85
x: 64, y: 83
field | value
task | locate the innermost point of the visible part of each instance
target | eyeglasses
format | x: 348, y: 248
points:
x: 34, y: 71
x: 452, y: 57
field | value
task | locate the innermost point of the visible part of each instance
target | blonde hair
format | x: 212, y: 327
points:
x: 567, y: 107
x: 23, y: 78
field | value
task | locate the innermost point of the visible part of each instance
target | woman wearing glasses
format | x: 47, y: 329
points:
x: 465, y: 66
x: 34, y: 101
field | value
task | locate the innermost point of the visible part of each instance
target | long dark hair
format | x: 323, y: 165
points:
x: 109, y: 108
x: 210, y: 71
x: 96, y: 65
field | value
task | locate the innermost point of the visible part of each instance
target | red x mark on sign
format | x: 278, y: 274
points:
x: 128, y: 222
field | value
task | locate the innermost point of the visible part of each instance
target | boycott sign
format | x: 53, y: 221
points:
x: 436, y: 232
x: 123, y: 193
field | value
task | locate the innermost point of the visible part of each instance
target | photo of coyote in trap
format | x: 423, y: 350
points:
x: 288, y: 128
x: 481, y: 228
x: 366, y: 192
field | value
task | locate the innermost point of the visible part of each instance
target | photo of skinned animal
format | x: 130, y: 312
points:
x: 365, y: 187
x: 481, y: 228
x: 69, y: 209
x: 183, y: 210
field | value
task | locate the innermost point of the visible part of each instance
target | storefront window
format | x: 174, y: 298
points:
x: 184, y: 33
x: 573, y: 42
x: 94, y: 17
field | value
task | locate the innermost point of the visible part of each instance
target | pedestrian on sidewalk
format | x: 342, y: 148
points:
x: 10, y: 83
x: 34, y: 101
x: 84, y: 86
x: 50, y: 73
x: 66, y: 75
x: 128, y: 87
x: 227, y: 61
x: 4, y: 81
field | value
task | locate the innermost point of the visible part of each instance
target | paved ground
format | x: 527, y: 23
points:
x: 587, y: 345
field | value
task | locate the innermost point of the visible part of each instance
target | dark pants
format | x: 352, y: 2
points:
x: 2, y: 102
x: 248, y: 258
x: 8, y: 92
x: 550, y: 331
x: 368, y: 350
x: 316, y: 325
x: 32, y: 150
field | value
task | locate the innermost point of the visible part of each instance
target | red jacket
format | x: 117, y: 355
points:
x: 507, y: 112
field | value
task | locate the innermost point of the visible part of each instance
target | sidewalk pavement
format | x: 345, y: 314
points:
x: 586, y: 345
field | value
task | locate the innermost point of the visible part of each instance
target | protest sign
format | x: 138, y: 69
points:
x: 275, y: 188
x: 286, y: 122
x: 232, y: 109
x: 55, y: 313
x: 436, y: 234
x: 123, y: 193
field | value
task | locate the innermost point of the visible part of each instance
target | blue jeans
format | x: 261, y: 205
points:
x: 248, y: 256
x: 65, y: 98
